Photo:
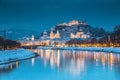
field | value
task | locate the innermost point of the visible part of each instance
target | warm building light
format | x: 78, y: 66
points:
x: 54, y: 36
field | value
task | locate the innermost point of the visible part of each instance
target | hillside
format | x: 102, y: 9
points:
x: 66, y: 29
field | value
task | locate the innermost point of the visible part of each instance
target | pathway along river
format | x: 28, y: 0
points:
x: 64, y: 65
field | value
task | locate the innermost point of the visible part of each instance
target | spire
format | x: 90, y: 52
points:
x: 45, y: 34
x: 32, y: 38
x: 57, y: 35
x: 51, y: 31
x: 57, y: 31
x: 51, y: 34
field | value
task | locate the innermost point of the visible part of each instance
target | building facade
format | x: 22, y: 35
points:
x: 54, y: 35
x: 79, y: 34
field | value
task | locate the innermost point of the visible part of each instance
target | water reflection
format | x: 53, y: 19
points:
x: 64, y: 65
x: 33, y: 61
x: 8, y: 67
x: 76, y: 62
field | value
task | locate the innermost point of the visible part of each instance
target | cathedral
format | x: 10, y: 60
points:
x: 54, y: 35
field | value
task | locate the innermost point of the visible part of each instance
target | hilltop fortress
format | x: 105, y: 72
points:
x: 73, y: 23
x: 67, y: 30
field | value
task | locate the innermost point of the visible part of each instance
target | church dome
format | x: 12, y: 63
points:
x: 45, y: 33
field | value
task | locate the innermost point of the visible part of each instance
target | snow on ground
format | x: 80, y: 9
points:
x: 14, y: 55
x: 103, y: 49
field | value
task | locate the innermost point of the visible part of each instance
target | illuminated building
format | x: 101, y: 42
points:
x: 80, y: 34
x: 54, y: 36
x: 73, y: 23
x: 45, y: 34
x: 32, y: 38
x: 27, y: 38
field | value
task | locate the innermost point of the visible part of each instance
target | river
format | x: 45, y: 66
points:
x: 64, y: 65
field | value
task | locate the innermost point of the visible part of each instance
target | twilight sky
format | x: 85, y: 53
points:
x: 42, y: 14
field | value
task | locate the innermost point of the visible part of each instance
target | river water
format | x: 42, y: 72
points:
x: 64, y: 65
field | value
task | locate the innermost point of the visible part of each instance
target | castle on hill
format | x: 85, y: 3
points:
x: 56, y: 34
x: 72, y: 23
x: 68, y: 32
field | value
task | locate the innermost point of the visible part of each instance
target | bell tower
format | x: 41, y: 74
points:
x: 57, y: 34
x: 51, y: 34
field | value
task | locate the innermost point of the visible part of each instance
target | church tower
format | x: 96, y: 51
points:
x: 32, y: 38
x: 57, y: 34
x: 51, y: 34
x: 44, y: 34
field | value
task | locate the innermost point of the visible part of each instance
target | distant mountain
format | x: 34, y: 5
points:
x: 16, y: 34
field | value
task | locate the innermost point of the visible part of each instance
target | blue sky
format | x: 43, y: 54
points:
x: 42, y: 14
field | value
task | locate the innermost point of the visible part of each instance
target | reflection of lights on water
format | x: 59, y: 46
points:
x: 111, y: 59
x: 17, y: 63
x: 86, y: 54
x: 8, y: 67
x: 52, y: 60
x: 103, y: 59
x: 63, y: 54
x: 33, y: 60
x: 74, y: 61
x: 11, y: 66
x: 80, y: 65
x: 81, y: 55
x: 95, y: 57
x: 58, y: 58
x: 118, y: 58
x: 41, y: 53
x: 74, y: 51
x: 47, y: 54
x: 45, y: 62
x: 76, y: 66
x: 74, y: 55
